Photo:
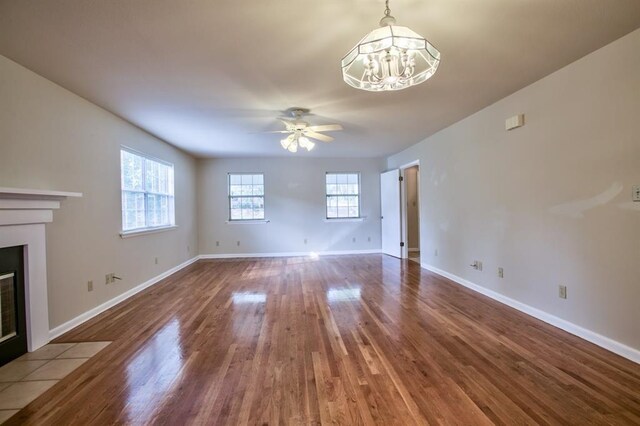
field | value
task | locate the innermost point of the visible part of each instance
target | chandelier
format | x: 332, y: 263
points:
x: 390, y: 58
x: 295, y: 140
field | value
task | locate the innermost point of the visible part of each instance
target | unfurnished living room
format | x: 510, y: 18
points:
x: 292, y: 212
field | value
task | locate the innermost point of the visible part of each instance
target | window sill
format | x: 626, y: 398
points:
x: 346, y: 219
x: 137, y: 232
x: 247, y: 222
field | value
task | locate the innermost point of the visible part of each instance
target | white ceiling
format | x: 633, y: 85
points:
x: 206, y: 75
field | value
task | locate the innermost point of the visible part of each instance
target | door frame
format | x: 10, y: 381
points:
x: 403, y: 208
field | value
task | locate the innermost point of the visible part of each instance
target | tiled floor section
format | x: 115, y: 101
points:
x: 26, y: 378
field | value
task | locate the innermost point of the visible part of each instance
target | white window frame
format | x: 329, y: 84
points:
x: 171, y: 196
x: 263, y: 196
x: 359, y: 195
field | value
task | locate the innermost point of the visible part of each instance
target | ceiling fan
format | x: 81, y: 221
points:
x: 300, y: 132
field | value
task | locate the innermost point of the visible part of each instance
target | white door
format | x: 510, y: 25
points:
x: 390, y: 212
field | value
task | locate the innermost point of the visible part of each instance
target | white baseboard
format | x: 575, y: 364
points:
x: 591, y: 336
x: 287, y: 254
x: 63, y: 328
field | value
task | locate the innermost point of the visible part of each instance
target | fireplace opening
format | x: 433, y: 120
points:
x: 13, y: 327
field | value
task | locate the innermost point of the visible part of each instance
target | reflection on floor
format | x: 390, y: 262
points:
x: 24, y: 379
x: 415, y: 256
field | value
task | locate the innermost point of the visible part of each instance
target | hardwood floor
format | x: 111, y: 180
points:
x: 347, y: 340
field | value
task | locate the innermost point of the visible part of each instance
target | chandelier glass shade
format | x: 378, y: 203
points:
x: 295, y: 140
x: 391, y: 57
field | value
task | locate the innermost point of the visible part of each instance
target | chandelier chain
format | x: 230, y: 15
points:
x: 387, y: 11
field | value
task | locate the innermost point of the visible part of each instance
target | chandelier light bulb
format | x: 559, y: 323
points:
x: 391, y: 57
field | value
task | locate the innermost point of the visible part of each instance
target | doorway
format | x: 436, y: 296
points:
x: 400, y: 211
x: 411, y: 205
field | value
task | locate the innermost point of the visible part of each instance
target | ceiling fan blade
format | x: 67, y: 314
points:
x: 325, y: 128
x: 270, y: 131
x: 319, y: 136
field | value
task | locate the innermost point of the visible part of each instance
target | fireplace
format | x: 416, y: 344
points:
x: 13, y: 324
x: 23, y: 215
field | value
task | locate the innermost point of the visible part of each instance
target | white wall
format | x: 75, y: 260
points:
x: 294, y: 205
x: 53, y: 139
x: 551, y: 201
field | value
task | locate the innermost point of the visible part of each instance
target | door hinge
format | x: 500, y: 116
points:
x: 400, y: 178
x: 401, y: 244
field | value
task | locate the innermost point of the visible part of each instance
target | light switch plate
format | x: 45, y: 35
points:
x: 636, y: 193
x: 562, y: 291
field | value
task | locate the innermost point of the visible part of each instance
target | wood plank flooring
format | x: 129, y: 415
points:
x: 336, y: 340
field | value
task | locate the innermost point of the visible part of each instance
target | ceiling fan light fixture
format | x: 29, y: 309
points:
x: 301, y: 133
x: 391, y: 57
x: 305, y: 143
x: 285, y: 142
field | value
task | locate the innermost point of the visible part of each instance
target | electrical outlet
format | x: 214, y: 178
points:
x: 636, y: 193
x: 500, y: 273
x: 238, y: 243
x: 353, y: 239
x: 435, y: 252
x: 108, y: 279
x: 368, y: 239
x: 477, y: 265
x: 156, y: 260
x: 89, y: 285
x: 305, y: 241
x: 217, y: 243
x: 562, y: 291
x: 188, y: 249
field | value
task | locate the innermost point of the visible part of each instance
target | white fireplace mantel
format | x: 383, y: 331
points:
x: 23, y: 215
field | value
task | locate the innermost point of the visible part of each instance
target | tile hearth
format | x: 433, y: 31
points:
x: 24, y: 379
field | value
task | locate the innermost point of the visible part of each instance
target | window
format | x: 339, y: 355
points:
x: 147, y: 192
x: 343, y: 195
x: 246, y: 196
